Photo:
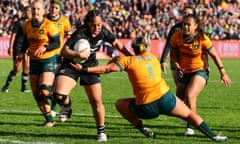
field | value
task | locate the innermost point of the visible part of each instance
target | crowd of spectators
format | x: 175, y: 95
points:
x: 128, y: 18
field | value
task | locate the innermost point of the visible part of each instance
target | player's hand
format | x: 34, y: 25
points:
x: 76, y: 66
x: 180, y: 72
x: 40, y: 51
x: 10, y: 51
x: 114, y: 59
x: 226, y: 80
x: 164, y: 67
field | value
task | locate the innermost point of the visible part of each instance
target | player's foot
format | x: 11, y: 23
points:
x: 148, y: 133
x: 189, y: 132
x: 102, y: 137
x: 5, y: 89
x: 219, y: 138
x: 53, y: 113
x: 25, y: 90
x: 49, y: 124
x: 65, y: 113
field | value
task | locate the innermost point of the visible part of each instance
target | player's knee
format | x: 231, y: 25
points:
x: 59, y: 98
x: 45, y: 90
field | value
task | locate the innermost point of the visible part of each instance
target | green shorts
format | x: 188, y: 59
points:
x: 46, y: 65
x: 188, y: 76
x: 164, y: 105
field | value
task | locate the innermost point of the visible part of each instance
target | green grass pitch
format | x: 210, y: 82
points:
x: 20, y: 117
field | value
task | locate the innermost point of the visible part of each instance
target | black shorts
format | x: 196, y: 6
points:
x: 16, y: 51
x: 59, y: 59
x: 85, y: 79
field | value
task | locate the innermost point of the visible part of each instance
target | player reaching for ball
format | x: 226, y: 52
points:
x: 152, y: 94
x: 93, y: 31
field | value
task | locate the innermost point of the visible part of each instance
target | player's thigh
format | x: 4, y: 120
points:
x: 195, y: 86
x: 94, y: 92
x: 175, y: 76
x: 180, y: 110
x: 47, y: 78
x: 34, y: 82
x: 26, y: 62
x: 64, y: 84
x: 180, y: 92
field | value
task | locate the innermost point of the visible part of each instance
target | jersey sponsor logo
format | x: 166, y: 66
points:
x: 41, y: 31
x: 97, y: 45
x: 59, y: 26
x: 62, y: 71
x: 195, y: 47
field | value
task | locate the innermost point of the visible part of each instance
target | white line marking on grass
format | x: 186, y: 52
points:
x: 24, y: 142
x: 76, y: 114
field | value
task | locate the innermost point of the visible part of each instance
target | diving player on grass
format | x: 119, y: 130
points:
x: 152, y: 94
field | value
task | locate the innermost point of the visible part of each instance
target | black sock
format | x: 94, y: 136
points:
x: 100, y: 129
x: 24, y: 80
x: 10, y: 77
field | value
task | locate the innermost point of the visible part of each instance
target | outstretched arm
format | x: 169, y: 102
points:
x: 103, y: 69
x: 224, y: 77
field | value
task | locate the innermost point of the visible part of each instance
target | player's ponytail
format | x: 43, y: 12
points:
x: 141, y: 44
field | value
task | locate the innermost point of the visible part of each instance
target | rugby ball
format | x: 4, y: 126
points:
x: 80, y: 46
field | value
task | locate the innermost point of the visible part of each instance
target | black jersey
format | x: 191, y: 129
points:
x: 177, y: 27
x: 18, y: 29
x: 95, y: 42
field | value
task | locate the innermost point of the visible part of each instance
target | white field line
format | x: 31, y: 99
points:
x: 7, y: 141
x: 74, y: 114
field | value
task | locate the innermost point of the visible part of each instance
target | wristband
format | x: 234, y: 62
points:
x: 84, y: 70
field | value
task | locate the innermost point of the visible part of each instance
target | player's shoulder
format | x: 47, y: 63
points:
x: 27, y: 21
x: 47, y: 21
x: 177, y: 27
x: 178, y: 34
x: 64, y: 17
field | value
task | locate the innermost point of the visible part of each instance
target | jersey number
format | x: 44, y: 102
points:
x: 150, y: 71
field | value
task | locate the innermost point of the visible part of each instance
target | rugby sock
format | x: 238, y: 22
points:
x: 206, y: 130
x: 53, y: 106
x: 48, y: 117
x: 190, y: 126
x: 100, y: 129
x: 24, y: 81
x: 10, y: 77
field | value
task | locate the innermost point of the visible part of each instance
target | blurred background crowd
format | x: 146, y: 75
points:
x: 129, y: 18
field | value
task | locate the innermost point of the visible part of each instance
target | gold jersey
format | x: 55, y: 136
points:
x: 192, y: 56
x: 64, y: 27
x: 39, y: 36
x: 144, y: 73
